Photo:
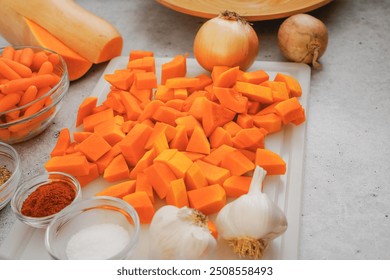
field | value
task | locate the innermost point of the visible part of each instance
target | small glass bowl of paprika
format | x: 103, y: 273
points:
x: 38, y: 200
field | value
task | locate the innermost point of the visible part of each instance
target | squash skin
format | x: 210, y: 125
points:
x: 80, y: 36
x: 83, y: 31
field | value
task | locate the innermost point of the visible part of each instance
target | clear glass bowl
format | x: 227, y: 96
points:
x: 9, y: 158
x: 14, y: 128
x: 31, y: 185
x: 94, y: 211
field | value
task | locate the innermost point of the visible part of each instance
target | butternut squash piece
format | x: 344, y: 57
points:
x: 231, y: 99
x: 77, y: 64
x: 94, y: 147
x: 116, y: 170
x: 85, y: 109
x: 145, y: 80
x: 167, y: 115
x: 214, y: 174
x: 179, y: 164
x: 145, y: 161
x: 216, y: 156
x: 160, y: 177
x: 249, y: 138
x: 194, y: 177
x: 280, y: 91
x: 106, y: 159
x: 292, y: 84
x: 133, y: 145
x: 232, y: 128
x: 142, y: 184
x: 227, y: 78
x: 142, y: 205
x: 198, y: 142
x: 146, y: 63
x: 255, y: 92
x: 208, y: 200
x: 75, y: 165
x: 89, y: 35
x: 177, y: 67
x: 254, y: 77
x: 235, y: 186
x: 189, y: 122
x: 270, y: 161
x: 132, y: 107
x: 150, y: 109
x: 90, y: 121
x: 220, y: 137
x: 181, y: 82
x: 289, y: 110
x: 110, y: 130
x: 271, y: 122
x: 215, y: 115
x: 118, y: 190
x: 135, y: 54
x: 177, y: 194
x: 245, y: 120
x: 164, y: 93
x: 142, y: 95
x: 93, y: 173
x: 204, y: 80
x: 121, y: 79
x: 237, y: 163
x: 180, y: 140
x: 80, y: 136
x: 62, y: 143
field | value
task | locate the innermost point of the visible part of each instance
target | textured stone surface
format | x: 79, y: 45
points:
x: 345, y: 205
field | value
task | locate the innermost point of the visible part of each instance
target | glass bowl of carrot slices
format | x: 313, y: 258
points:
x: 33, y: 82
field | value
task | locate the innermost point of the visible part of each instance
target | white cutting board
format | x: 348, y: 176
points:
x: 24, y: 242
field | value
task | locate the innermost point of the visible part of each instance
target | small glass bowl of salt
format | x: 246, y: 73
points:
x: 97, y: 228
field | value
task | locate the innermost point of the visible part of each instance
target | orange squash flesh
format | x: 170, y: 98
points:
x: 194, y: 149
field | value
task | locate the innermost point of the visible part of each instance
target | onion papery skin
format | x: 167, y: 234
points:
x: 226, y: 42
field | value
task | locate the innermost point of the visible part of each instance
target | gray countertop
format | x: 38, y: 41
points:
x: 346, y: 189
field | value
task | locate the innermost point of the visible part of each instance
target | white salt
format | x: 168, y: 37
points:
x: 97, y: 242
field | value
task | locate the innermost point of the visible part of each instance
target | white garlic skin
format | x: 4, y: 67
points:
x: 250, y: 215
x: 173, y: 235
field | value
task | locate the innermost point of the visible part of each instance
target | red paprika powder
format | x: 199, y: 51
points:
x: 48, y: 199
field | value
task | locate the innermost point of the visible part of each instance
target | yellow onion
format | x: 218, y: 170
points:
x: 226, y: 40
x: 303, y: 38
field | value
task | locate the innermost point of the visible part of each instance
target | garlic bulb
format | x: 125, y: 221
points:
x: 251, y: 221
x: 180, y: 233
